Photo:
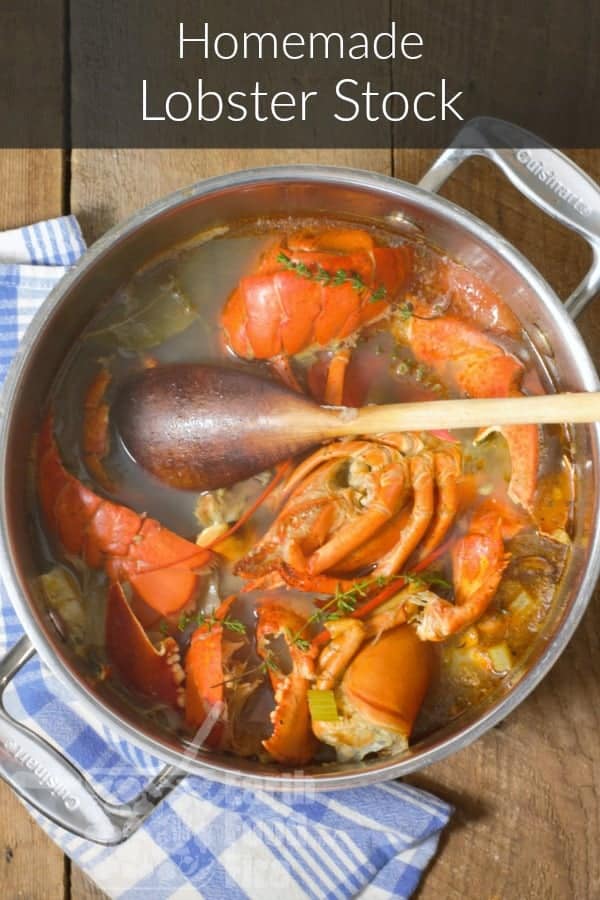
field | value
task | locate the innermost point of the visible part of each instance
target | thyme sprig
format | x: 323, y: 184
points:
x: 322, y: 276
x: 269, y: 664
x: 207, y: 619
x: 344, y: 603
x: 426, y: 579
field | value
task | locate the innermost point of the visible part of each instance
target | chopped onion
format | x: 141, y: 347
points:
x: 501, y: 657
x: 522, y: 605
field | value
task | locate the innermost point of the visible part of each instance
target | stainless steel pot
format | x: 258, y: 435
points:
x: 42, y: 775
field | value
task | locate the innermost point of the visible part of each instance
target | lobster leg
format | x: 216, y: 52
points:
x: 447, y: 473
x: 347, y: 637
x: 478, y: 561
x: 334, y: 388
x: 95, y: 429
x: 421, y: 470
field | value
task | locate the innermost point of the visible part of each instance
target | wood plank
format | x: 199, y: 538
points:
x: 108, y: 185
x: 31, y: 865
x: 528, y: 819
x: 30, y: 189
x: 31, y: 186
x: 83, y: 888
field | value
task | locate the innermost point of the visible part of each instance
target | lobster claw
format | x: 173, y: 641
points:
x: 292, y: 741
x: 153, y: 671
x: 379, y: 696
x: 205, y: 678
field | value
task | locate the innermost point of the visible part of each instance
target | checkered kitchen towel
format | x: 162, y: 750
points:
x: 205, y: 839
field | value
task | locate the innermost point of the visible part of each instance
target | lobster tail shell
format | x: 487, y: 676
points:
x: 280, y: 311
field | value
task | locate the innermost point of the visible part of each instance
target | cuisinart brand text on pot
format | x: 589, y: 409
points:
x: 42, y: 774
x: 548, y: 177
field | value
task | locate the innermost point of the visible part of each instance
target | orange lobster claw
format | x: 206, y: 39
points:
x: 292, y: 741
x: 379, y: 684
x: 205, y: 686
x: 388, y: 679
x: 154, y: 672
x: 165, y: 590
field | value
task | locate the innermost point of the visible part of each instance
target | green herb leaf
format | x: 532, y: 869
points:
x: 343, y: 603
x: 269, y: 663
x: 433, y: 579
x: 297, y: 641
x: 378, y: 295
x: 302, y: 644
x: 184, y: 621
x: 322, y: 276
x: 209, y: 620
x: 234, y: 625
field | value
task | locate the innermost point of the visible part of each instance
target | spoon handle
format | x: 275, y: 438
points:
x: 467, y: 413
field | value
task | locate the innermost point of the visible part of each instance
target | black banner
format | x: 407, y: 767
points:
x: 254, y: 73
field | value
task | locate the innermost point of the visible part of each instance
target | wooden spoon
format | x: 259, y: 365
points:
x: 200, y: 427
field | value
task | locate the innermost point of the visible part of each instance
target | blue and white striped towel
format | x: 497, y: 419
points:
x: 206, y: 839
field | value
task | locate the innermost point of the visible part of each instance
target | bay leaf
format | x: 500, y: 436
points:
x: 143, y: 319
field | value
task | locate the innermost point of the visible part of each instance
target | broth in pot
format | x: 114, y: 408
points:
x: 347, y: 602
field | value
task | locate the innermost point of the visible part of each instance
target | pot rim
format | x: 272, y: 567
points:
x: 341, y: 176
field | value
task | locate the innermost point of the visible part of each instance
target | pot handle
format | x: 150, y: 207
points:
x: 43, y: 777
x: 544, y: 175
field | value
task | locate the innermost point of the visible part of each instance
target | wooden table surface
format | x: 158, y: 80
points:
x: 527, y: 821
